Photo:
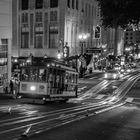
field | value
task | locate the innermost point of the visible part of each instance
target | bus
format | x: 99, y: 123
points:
x: 49, y: 80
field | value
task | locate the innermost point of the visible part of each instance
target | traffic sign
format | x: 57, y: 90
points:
x: 93, y: 50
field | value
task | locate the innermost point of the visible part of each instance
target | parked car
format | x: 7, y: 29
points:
x: 128, y: 70
x: 112, y: 74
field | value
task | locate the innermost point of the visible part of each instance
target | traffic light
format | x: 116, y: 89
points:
x: 97, y: 32
x: 66, y: 51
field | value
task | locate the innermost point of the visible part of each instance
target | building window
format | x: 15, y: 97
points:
x: 3, y: 53
x: 126, y: 33
x: 68, y: 3
x: 53, y: 39
x: 39, y: 4
x: 72, y: 4
x: 82, y: 10
x: 4, y: 45
x: 92, y: 10
x: 39, y: 40
x: 77, y: 4
x: 25, y: 40
x: 53, y: 3
x: 89, y: 10
x: 53, y: 16
x: 86, y: 9
x: 24, y: 4
x: 24, y: 17
x: 38, y: 17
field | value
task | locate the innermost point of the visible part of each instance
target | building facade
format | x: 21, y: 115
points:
x: 132, y: 37
x: 5, y: 42
x: 132, y: 43
x: 43, y: 27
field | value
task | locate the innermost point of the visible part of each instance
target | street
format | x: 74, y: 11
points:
x: 69, y: 70
x: 97, y: 113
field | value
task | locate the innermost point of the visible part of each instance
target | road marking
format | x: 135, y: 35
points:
x: 129, y: 99
x: 100, y: 96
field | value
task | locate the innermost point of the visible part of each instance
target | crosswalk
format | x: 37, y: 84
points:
x: 127, y: 99
x: 133, y: 100
x: 100, y: 96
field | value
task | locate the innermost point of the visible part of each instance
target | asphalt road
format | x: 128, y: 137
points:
x: 121, y: 123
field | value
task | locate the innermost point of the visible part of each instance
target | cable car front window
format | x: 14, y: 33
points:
x: 33, y: 74
x: 42, y: 75
x: 25, y: 74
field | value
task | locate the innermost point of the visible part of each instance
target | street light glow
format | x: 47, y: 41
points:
x: 59, y: 56
x: 127, y: 49
x: 15, y: 60
x: 80, y: 36
x: 83, y: 36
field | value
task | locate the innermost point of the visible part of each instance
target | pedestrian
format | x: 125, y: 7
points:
x: 16, y: 87
x: 11, y: 85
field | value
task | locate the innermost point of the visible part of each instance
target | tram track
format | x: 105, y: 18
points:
x: 44, y: 120
x: 48, y: 123
x: 12, y: 129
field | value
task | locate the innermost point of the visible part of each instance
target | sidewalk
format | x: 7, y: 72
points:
x: 6, y: 96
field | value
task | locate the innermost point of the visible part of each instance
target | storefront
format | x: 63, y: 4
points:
x: 3, y: 64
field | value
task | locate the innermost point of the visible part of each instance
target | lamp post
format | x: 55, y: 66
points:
x: 82, y: 37
x: 59, y: 55
x: 29, y: 60
x: 45, y: 56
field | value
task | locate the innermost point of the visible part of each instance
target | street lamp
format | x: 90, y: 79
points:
x: 82, y: 37
x: 59, y: 54
x: 29, y: 59
x: 45, y: 56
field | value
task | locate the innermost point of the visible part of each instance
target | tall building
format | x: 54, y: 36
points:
x: 132, y: 43
x: 110, y: 36
x: 132, y: 37
x: 44, y: 27
x: 5, y: 42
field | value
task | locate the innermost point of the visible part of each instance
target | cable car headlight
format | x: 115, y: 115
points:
x: 32, y: 88
x: 105, y: 75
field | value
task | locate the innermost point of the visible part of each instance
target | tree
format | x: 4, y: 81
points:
x: 120, y: 13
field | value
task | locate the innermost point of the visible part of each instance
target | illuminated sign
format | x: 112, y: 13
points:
x: 93, y: 50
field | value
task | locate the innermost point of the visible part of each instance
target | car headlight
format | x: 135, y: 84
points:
x: 105, y: 75
x: 115, y: 76
x: 128, y: 70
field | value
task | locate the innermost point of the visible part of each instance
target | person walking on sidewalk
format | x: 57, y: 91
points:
x: 11, y: 85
